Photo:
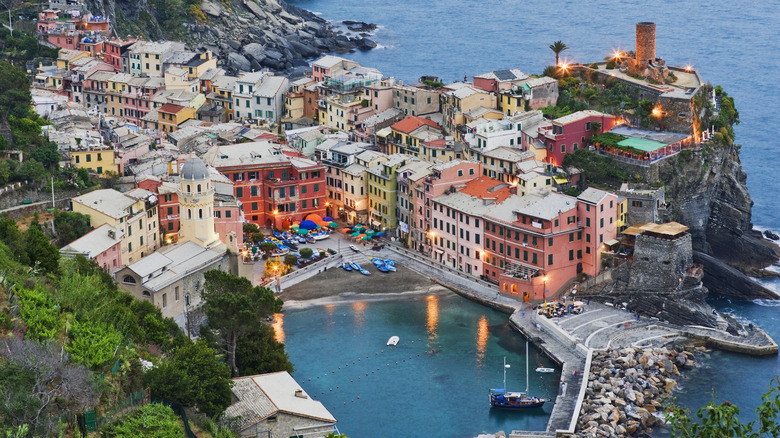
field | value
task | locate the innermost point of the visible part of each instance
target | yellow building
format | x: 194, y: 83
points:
x: 198, y: 65
x: 170, y: 116
x: 98, y: 161
x: 147, y: 57
x: 66, y: 56
x: 221, y: 94
x: 622, y: 214
x: 133, y: 213
x: 294, y: 107
x: 460, y: 99
x: 510, y: 103
x: 382, y: 192
x: 117, y: 86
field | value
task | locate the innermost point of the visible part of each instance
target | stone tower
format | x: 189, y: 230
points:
x: 196, y: 198
x: 645, y: 42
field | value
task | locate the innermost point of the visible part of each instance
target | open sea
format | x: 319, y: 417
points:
x: 733, y: 44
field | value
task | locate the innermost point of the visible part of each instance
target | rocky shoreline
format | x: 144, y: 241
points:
x: 626, y: 390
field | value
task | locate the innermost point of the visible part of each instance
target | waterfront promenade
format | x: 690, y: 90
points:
x: 570, y: 341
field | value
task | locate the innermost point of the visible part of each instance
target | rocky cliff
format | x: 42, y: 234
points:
x: 245, y: 34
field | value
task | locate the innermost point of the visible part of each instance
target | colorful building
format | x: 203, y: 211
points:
x: 382, y: 191
x: 103, y: 245
x: 170, y: 116
x: 568, y: 133
x: 275, y: 189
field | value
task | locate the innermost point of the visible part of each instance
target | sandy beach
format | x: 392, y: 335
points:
x: 336, y: 285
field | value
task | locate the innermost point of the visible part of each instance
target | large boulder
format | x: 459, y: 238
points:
x: 254, y: 51
x: 238, y: 62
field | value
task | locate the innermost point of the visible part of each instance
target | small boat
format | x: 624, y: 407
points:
x: 300, y: 239
x: 309, y: 239
x: 393, y: 340
x: 545, y: 370
x: 365, y: 272
x: 382, y: 268
x: 321, y: 236
x: 277, y: 234
x: 355, y: 266
x: 501, y: 398
x: 353, y: 248
x: 347, y: 267
x: 390, y: 265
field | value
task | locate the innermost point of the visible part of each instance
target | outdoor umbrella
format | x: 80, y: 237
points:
x: 358, y: 227
x: 366, y: 237
x: 370, y: 231
x: 355, y: 234
x: 333, y: 224
x: 380, y: 235
x: 309, y: 225
x: 327, y: 219
x: 346, y: 230
x: 303, y: 231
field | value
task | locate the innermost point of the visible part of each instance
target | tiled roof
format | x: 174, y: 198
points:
x: 170, y: 108
x: 484, y: 187
x: 411, y: 123
x: 579, y: 115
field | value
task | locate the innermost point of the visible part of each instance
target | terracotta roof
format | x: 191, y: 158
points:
x: 411, y: 123
x: 170, y: 108
x: 487, y: 188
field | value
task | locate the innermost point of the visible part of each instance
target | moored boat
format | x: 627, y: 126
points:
x: 545, y: 370
x: 346, y: 267
x: 501, y: 398
x: 393, y: 340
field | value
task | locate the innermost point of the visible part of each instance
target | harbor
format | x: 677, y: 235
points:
x: 570, y: 342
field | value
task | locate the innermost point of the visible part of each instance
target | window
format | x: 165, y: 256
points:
x: 165, y: 301
x: 253, y: 190
x: 571, y: 254
x: 227, y: 213
x: 128, y: 279
x: 316, y: 188
x: 550, y: 241
x: 550, y: 259
x: 303, y: 190
x: 239, y: 192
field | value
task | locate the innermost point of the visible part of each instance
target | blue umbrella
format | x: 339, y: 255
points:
x: 380, y: 234
x: 309, y: 225
x: 327, y: 219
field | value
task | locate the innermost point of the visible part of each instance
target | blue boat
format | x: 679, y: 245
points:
x: 501, y: 398
x: 347, y: 267
x: 300, y: 239
x: 390, y: 265
x: 382, y: 268
x: 355, y: 266
x: 277, y: 234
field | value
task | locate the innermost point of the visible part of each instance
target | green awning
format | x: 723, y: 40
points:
x: 642, y: 144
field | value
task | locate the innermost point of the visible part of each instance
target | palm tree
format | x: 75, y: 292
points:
x: 558, y: 47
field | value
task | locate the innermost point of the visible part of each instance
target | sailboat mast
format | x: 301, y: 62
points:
x: 504, y: 373
x: 526, y: 367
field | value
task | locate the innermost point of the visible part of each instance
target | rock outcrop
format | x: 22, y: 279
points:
x: 244, y: 34
x: 626, y: 388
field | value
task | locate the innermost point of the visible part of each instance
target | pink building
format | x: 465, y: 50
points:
x: 445, y: 177
x: 103, y: 245
x: 569, y: 133
x: 535, y: 245
x: 458, y: 233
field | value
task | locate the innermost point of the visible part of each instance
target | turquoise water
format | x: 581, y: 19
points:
x: 435, y: 383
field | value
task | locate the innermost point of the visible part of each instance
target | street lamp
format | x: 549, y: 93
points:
x: 544, y: 292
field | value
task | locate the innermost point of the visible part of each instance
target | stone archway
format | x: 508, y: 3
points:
x: 514, y: 289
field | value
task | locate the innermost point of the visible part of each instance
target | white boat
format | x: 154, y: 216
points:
x: 393, y: 340
x: 354, y: 248
x: 545, y: 370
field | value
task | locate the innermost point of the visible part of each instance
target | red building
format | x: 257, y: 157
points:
x: 569, y: 133
x: 116, y: 51
x: 535, y: 245
x: 275, y: 189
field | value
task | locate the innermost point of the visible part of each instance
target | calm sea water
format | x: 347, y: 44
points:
x: 434, y: 383
x: 733, y: 44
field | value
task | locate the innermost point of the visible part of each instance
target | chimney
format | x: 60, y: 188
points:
x: 299, y: 393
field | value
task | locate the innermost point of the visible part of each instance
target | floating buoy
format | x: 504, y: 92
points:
x: 309, y: 380
x: 331, y: 389
x: 410, y: 357
x: 345, y: 402
x: 353, y: 361
x: 396, y: 363
x: 332, y: 372
x: 351, y: 380
x: 358, y: 397
x: 372, y: 372
x: 337, y: 386
x: 366, y: 373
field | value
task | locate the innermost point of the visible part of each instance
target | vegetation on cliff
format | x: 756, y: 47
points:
x: 71, y: 342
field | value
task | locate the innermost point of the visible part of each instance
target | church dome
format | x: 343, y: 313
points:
x: 194, y: 169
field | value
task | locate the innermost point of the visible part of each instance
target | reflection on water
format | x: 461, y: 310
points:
x: 359, y: 308
x: 482, y: 337
x: 278, y: 326
x: 329, y: 309
x: 433, y: 317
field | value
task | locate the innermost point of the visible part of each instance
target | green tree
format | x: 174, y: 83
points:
x: 306, y: 253
x: 267, y: 247
x: 14, y: 91
x: 152, y: 420
x: 70, y: 226
x: 194, y: 377
x: 47, y: 155
x: 14, y: 239
x: 290, y: 259
x: 722, y: 420
x: 258, y: 352
x: 257, y: 237
x: 32, y: 171
x: 250, y: 228
x: 234, y: 308
x: 558, y: 47
x: 91, y: 343
x: 40, y: 250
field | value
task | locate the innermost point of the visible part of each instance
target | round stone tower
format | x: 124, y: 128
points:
x: 645, y: 42
x: 196, y: 198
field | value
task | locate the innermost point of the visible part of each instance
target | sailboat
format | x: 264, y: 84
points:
x: 501, y: 398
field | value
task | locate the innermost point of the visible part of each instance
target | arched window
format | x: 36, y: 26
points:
x: 146, y: 294
x: 189, y: 213
x: 198, y: 188
x: 128, y: 279
x: 200, y: 213
x: 189, y: 189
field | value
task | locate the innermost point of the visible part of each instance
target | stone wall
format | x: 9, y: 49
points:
x: 282, y: 425
x: 660, y: 264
